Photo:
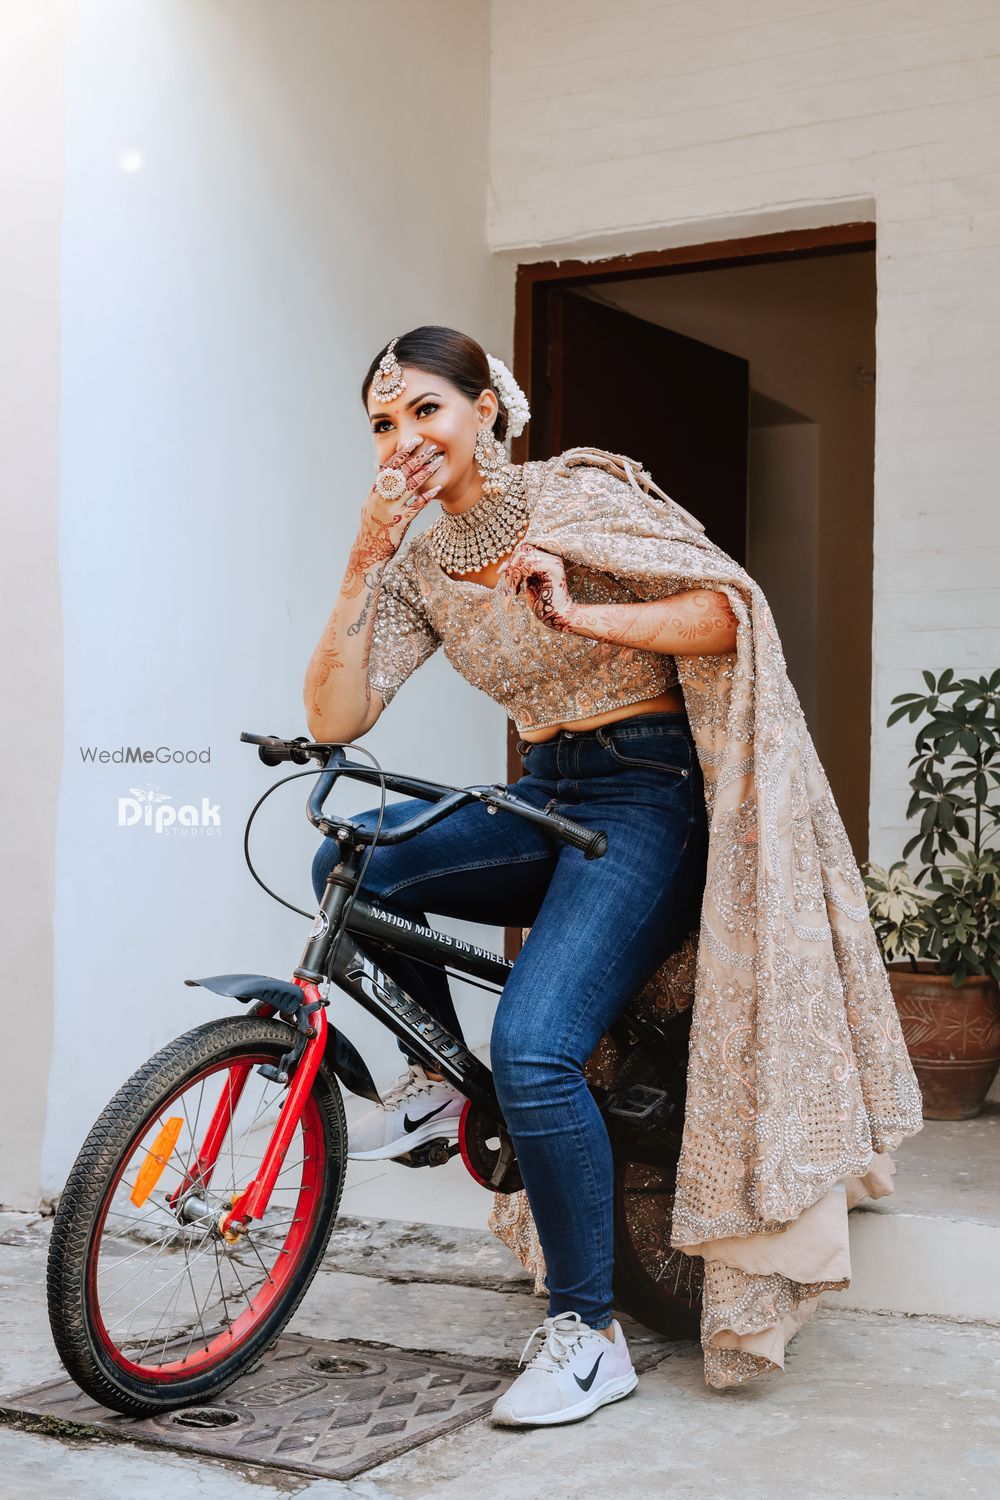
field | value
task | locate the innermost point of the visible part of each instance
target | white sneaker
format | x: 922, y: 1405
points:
x: 413, y: 1110
x: 576, y: 1370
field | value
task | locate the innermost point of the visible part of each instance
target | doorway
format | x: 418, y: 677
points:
x: 741, y: 375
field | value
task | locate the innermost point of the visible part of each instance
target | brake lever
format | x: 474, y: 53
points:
x: 593, y: 844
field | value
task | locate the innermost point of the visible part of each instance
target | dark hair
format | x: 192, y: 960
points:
x: 445, y: 351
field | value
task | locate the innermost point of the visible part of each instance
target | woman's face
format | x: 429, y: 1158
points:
x: 432, y: 408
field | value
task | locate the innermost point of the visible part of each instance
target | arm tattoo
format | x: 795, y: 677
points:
x: 372, y: 582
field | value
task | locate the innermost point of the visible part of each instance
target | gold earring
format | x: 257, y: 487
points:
x: 491, y: 460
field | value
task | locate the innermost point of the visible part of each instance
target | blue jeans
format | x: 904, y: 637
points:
x: 599, y: 929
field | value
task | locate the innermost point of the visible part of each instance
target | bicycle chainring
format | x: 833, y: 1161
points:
x: 488, y: 1151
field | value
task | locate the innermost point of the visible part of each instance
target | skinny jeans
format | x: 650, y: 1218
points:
x: 599, y: 929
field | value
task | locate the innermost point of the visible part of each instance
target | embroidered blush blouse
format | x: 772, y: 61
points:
x: 538, y: 675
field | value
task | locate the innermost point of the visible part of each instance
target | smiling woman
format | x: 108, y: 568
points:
x: 598, y: 614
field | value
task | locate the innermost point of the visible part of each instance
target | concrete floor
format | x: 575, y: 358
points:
x: 869, y: 1407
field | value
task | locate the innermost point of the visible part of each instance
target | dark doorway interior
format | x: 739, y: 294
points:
x: 741, y: 376
x: 683, y: 403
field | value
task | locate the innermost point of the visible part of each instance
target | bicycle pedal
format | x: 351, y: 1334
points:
x: 638, y: 1104
x: 436, y: 1153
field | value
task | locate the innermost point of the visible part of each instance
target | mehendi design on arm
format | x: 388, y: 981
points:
x: 325, y: 661
x: 373, y: 544
x: 697, y: 622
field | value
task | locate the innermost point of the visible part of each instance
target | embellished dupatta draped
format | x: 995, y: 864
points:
x: 798, y: 1082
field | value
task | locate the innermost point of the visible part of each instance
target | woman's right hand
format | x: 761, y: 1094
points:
x: 418, y: 463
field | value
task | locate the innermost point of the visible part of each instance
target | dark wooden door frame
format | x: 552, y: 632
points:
x: 534, y: 278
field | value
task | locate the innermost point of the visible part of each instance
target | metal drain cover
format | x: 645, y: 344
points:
x: 312, y: 1406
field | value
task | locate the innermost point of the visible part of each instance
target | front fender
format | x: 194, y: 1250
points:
x: 280, y: 994
x: 341, y: 1055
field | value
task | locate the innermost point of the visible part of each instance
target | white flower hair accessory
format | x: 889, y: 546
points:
x: 512, y: 396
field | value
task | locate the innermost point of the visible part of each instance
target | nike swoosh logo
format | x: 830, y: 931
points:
x: 409, y: 1124
x: 586, y: 1384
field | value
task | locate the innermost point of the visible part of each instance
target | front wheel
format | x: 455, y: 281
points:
x: 150, y: 1306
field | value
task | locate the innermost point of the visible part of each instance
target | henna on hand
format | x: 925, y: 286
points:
x: 542, y: 575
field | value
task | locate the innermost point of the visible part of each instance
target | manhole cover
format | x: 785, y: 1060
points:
x: 312, y: 1406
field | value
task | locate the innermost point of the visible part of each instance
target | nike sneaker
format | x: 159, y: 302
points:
x: 413, y: 1110
x: 575, y: 1370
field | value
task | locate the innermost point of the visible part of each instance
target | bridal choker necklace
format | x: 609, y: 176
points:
x: 466, y: 542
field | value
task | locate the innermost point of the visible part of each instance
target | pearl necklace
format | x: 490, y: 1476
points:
x: 466, y: 542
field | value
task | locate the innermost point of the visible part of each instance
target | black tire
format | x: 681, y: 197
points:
x: 78, y: 1228
x: 655, y: 1284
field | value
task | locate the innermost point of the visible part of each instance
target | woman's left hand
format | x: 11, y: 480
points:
x: 543, y: 577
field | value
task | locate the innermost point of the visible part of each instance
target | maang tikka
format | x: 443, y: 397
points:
x: 388, y: 382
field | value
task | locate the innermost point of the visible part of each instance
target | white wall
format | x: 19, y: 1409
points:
x: 627, y: 126
x: 219, y: 308
x: 31, y: 173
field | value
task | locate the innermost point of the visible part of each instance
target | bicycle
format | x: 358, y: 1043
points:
x: 204, y: 1196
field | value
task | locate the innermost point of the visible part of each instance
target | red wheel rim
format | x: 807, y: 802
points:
x: 286, y: 1260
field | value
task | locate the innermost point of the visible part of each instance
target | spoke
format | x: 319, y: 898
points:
x: 222, y: 1290
x: 116, y: 1265
x: 198, y: 1312
x: 179, y: 1275
x: 256, y: 1252
x: 231, y: 1262
x: 265, y: 1104
x: 197, y: 1116
x: 164, y: 1245
x: 134, y: 1220
x: 173, y: 1302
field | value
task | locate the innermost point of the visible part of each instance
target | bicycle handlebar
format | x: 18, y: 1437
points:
x: 444, y: 799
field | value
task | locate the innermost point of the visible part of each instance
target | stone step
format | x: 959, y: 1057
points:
x: 933, y: 1246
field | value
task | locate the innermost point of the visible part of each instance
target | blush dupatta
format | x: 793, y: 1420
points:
x: 799, y: 1084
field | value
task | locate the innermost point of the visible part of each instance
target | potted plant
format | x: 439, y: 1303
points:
x: 939, y: 931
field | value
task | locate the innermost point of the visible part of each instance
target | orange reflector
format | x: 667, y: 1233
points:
x: 156, y: 1159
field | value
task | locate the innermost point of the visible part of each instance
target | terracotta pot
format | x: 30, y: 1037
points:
x: 952, y: 1035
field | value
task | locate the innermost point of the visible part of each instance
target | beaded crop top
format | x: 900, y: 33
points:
x: 538, y: 675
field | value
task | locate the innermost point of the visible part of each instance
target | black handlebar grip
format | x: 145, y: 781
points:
x: 273, y: 754
x: 593, y: 844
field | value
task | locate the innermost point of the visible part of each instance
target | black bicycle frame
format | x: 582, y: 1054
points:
x: 355, y: 970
